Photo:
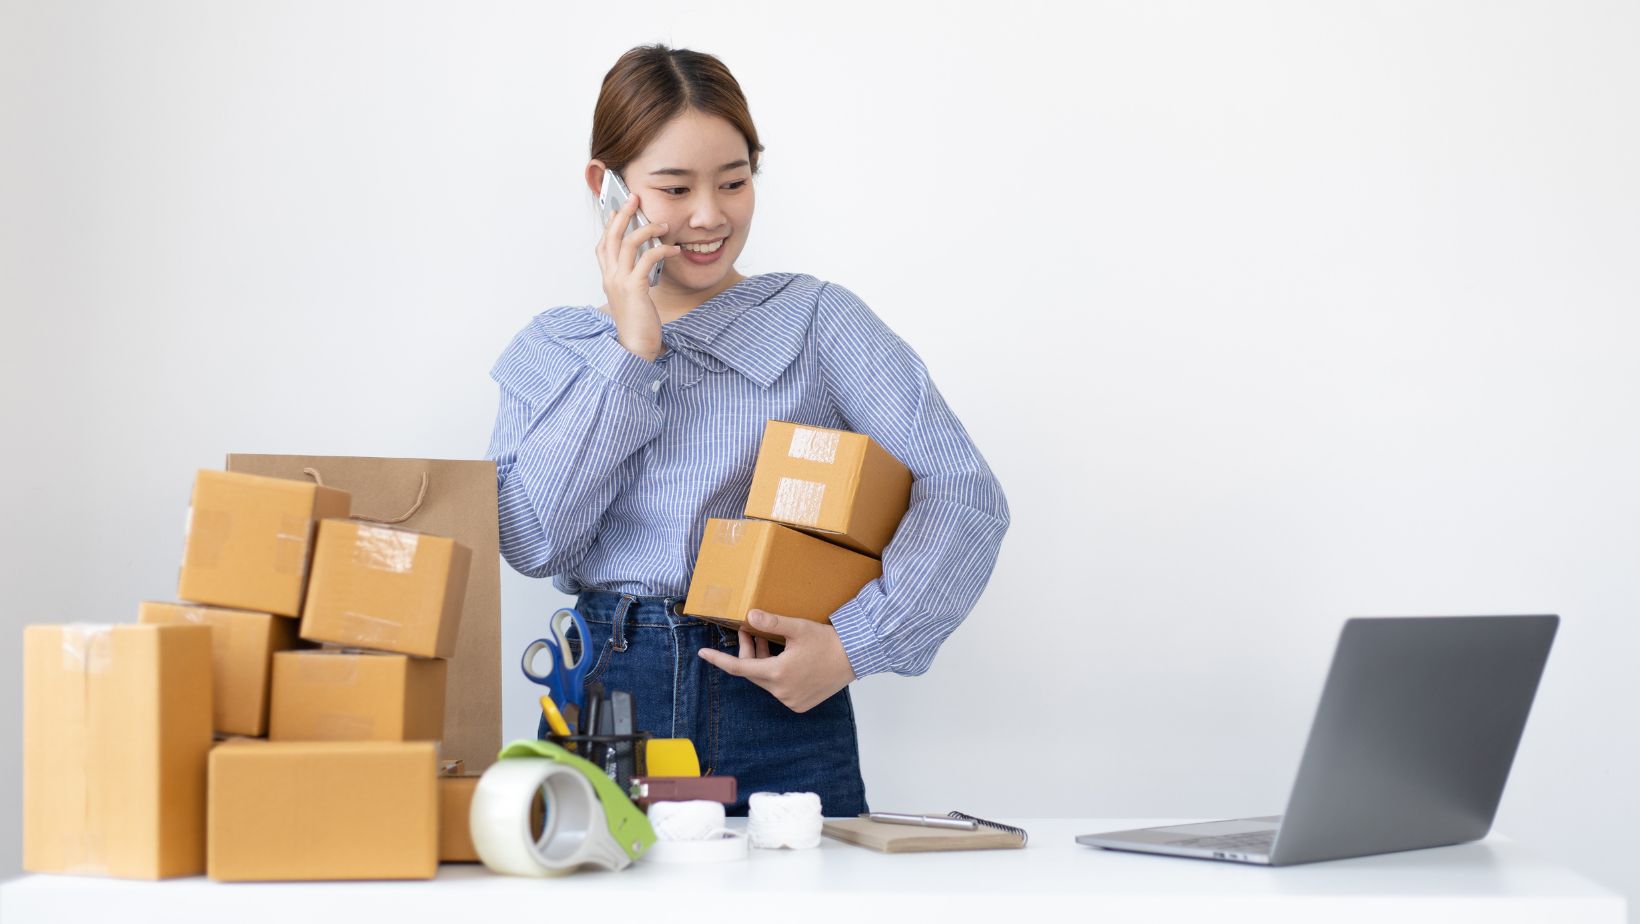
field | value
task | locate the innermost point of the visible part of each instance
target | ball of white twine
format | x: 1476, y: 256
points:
x: 695, y: 820
x: 790, y: 819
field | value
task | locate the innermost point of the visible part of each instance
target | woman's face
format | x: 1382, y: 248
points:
x: 695, y: 177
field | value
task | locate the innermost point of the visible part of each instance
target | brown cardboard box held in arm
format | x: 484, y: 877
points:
x: 387, y: 589
x: 455, y: 803
x: 834, y: 484
x: 116, y: 728
x: 755, y: 564
x: 352, y: 696
x: 242, y: 646
x: 445, y: 497
x: 249, y: 540
x: 308, y: 810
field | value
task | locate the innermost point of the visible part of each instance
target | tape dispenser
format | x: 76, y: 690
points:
x: 588, y: 821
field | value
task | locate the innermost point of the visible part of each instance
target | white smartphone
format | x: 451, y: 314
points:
x: 611, y: 199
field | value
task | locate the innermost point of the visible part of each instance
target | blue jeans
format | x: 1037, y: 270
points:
x: 646, y: 647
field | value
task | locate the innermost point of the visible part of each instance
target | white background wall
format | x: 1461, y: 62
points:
x: 1265, y: 314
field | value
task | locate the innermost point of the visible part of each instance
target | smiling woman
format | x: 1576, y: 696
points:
x: 623, y: 428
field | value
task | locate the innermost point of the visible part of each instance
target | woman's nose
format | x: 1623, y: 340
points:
x: 707, y: 214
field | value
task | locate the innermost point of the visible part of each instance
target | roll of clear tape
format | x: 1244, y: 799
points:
x: 694, y: 820
x: 575, y: 832
x: 693, y: 832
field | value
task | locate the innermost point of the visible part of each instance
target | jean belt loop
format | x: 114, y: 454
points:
x: 617, y: 631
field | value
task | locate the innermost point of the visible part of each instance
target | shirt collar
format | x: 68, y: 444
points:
x: 756, y: 327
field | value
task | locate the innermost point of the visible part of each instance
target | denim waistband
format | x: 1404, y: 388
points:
x: 623, y: 611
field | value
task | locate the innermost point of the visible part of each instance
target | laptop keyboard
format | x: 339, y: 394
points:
x: 1252, y: 842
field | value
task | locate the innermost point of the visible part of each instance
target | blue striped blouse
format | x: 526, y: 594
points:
x: 609, y: 464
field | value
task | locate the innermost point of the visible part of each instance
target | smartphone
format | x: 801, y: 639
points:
x: 611, y: 199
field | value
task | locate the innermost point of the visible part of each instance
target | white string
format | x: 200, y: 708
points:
x: 790, y: 819
x: 695, y: 820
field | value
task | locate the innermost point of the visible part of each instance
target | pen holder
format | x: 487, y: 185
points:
x: 619, y: 756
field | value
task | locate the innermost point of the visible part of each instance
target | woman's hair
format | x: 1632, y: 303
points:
x: 651, y: 85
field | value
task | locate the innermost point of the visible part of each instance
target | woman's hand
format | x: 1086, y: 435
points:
x: 626, y: 280
x: 811, y: 669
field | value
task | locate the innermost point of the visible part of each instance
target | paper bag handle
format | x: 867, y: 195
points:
x: 420, y: 497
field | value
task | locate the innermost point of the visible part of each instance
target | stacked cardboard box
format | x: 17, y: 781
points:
x: 119, y: 719
x: 823, y: 506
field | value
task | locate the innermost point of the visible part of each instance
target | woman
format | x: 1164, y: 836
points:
x: 622, y: 428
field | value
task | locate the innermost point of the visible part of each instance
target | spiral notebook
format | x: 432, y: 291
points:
x: 890, y: 838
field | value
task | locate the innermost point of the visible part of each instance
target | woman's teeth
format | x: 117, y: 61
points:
x: 703, y: 248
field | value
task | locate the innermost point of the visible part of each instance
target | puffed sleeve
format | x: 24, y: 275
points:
x: 946, y: 547
x: 575, y: 406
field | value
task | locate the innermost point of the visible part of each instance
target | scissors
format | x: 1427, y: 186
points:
x: 563, y: 677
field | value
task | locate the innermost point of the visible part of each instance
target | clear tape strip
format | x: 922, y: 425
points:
x: 798, y: 501
x: 727, y: 532
x: 327, y: 667
x: 367, y: 629
x: 87, y: 647
x: 384, y: 549
x: 88, y: 651
x: 814, y: 445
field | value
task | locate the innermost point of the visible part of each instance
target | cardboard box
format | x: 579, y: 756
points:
x: 242, y: 648
x: 356, y: 696
x: 388, y: 589
x: 755, y: 564
x: 303, y: 810
x: 116, y: 728
x: 249, y: 540
x: 455, y: 802
x: 834, y: 484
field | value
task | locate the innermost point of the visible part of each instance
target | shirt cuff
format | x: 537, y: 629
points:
x: 866, y: 653
x: 619, y: 364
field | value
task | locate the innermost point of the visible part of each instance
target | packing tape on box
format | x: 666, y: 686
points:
x: 291, y: 554
x: 589, y: 821
x: 381, y: 548
x: 814, y: 445
x: 324, y: 666
x: 204, y: 533
x: 798, y: 501
x: 727, y: 532
x: 87, y: 647
x: 88, y: 650
x: 366, y: 629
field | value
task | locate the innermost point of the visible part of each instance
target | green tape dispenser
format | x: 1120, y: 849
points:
x: 589, y: 821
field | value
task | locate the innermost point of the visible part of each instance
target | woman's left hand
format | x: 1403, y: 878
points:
x: 806, y: 674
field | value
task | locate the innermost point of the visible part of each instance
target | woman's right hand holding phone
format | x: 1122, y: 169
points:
x: 626, y: 280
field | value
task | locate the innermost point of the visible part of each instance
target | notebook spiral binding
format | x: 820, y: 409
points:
x: 1023, y: 837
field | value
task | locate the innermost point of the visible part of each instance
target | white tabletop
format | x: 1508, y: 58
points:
x: 1494, y: 881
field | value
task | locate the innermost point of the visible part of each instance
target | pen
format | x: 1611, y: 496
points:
x: 926, y: 821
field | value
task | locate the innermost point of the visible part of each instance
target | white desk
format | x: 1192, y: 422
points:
x: 1495, y: 881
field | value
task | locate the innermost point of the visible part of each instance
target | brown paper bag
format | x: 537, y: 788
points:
x: 452, y: 498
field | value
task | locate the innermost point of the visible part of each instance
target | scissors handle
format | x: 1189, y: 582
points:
x: 535, y: 648
x: 563, y: 677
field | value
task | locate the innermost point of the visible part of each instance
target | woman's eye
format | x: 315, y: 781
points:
x: 680, y: 190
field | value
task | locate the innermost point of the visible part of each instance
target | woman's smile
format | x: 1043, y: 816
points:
x: 702, y: 254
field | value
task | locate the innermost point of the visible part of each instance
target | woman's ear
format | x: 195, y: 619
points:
x: 595, y: 176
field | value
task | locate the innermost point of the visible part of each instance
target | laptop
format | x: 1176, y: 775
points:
x: 1417, y: 728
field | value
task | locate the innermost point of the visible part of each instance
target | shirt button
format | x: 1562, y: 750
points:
x: 654, y: 386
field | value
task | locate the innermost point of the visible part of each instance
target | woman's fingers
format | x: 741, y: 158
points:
x: 629, y: 246
x: 610, y: 241
x: 753, y: 646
